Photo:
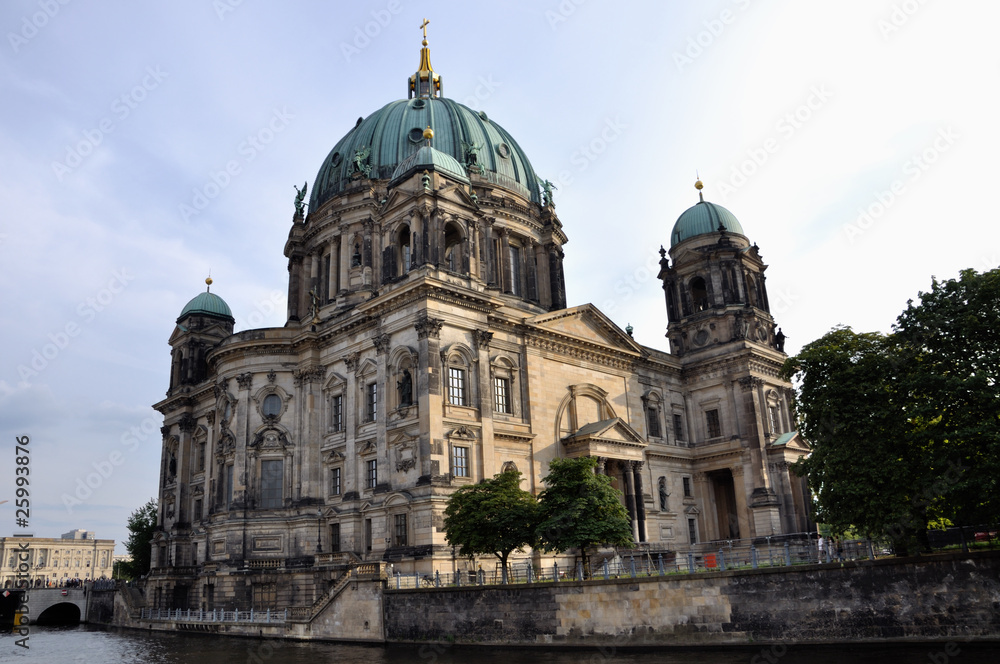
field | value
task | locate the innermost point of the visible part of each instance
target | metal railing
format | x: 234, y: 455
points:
x: 707, y: 557
x: 215, y: 615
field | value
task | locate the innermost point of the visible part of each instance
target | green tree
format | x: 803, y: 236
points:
x: 951, y: 353
x: 860, y: 470
x: 905, y: 428
x: 580, y: 508
x: 141, y: 526
x: 495, y: 517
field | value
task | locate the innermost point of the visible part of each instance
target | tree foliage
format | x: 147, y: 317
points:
x: 580, y: 509
x: 494, y: 517
x: 905, y: 427
x: 141, y: 526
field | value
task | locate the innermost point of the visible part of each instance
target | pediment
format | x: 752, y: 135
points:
x: 210, y: 334
x: 612, y: 438
x: 791, y: 441
x: 611, y: 430
x: 586, y: 322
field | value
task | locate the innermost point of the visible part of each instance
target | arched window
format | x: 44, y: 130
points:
x: 752, y: 291
x: 403, y: 249
x: 699, y: 294
x: 459, y: 382
x: 453, y: 241
x: 506, y: 389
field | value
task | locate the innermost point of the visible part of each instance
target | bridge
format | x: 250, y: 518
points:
x: 58, y: 606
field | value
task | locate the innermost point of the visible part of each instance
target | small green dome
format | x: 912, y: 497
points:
x: 208, y: 304
x: 430, y: 159
x: 378, y: 144
x: 703, y: 218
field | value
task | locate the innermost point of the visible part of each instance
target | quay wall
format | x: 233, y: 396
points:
x: 944, y: 597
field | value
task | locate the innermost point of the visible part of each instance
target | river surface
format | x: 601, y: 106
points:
x: 68, y: 645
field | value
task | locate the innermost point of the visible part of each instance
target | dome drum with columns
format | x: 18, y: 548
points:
x: 428, y: 345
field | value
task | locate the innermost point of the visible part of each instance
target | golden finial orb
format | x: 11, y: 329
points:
x: 428, y: 133
x: 698, y: 185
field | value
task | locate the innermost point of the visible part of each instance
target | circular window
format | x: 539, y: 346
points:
x: 336, y: 159
x: 271, y: 406
x: 416, y: 135
x: 503, y: 151
x: 701, y: 337
x: 482, y: 116
x: 418, y: 103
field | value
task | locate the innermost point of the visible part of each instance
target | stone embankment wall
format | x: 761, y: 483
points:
x: 100, y: 607
x: 942, y: 597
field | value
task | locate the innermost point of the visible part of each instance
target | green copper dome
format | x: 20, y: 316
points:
x: 207, y: 303
x: 703, y: 218
x: 381, y: 142
x: 427, y: 158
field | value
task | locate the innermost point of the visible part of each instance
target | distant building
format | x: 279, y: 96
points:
x: 78, y: 534
x: 75, y: 555
x: 428, y: 345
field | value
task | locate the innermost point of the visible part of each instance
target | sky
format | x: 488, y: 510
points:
x: 853, y: 141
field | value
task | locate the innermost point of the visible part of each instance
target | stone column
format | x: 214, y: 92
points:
x: 350, y: 477
x: 489, y: 274
x: 381, y: 342
x: 429, y: 396
x: 182, y: 510
x: 294, y: 286
x: 543, y: 279
x: 482, y: 339
x: 331, y: 285
x: 709, y: 527
x: 531, y: 270
x: 640, y: 504
x: 630, y: 499
x: 345, y: 261
x: 506, y: 286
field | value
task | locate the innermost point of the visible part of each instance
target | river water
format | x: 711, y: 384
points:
x: 68, y: 645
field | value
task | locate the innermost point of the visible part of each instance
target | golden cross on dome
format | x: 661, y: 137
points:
x: 424, y: 27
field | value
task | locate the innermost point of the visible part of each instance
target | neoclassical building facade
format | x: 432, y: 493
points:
x: 428, y: 345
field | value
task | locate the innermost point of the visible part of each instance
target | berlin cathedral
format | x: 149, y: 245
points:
x: 428, y: 346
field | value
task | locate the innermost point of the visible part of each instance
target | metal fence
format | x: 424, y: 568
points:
x: 215, y: 616
x: 708, y: 557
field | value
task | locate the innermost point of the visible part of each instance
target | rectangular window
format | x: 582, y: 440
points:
x: 515, y: 270
x: 201, y: 457
x: 692, y: 531
x: 265, y: 595
x: 335, y: 537
x: 678, y: 427
x: 456, y: 386
x: 406, y: 258
x: 712, y: 419
x: 335, y: 481
x: 337, y: 413
x: 371, y: 474
x: 399, y: 530
x: 197, y: 510
x: 687, y: 487
x: 368, y: 535
x: 653, y: 422
x: 460, y: 461
x: 229, y: 486
x: 271, y: 475
x: 501, y: 395
x: 772, y: 412
x: 371, y: 402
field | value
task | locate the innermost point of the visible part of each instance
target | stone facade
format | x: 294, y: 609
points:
x: 428, y: 346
